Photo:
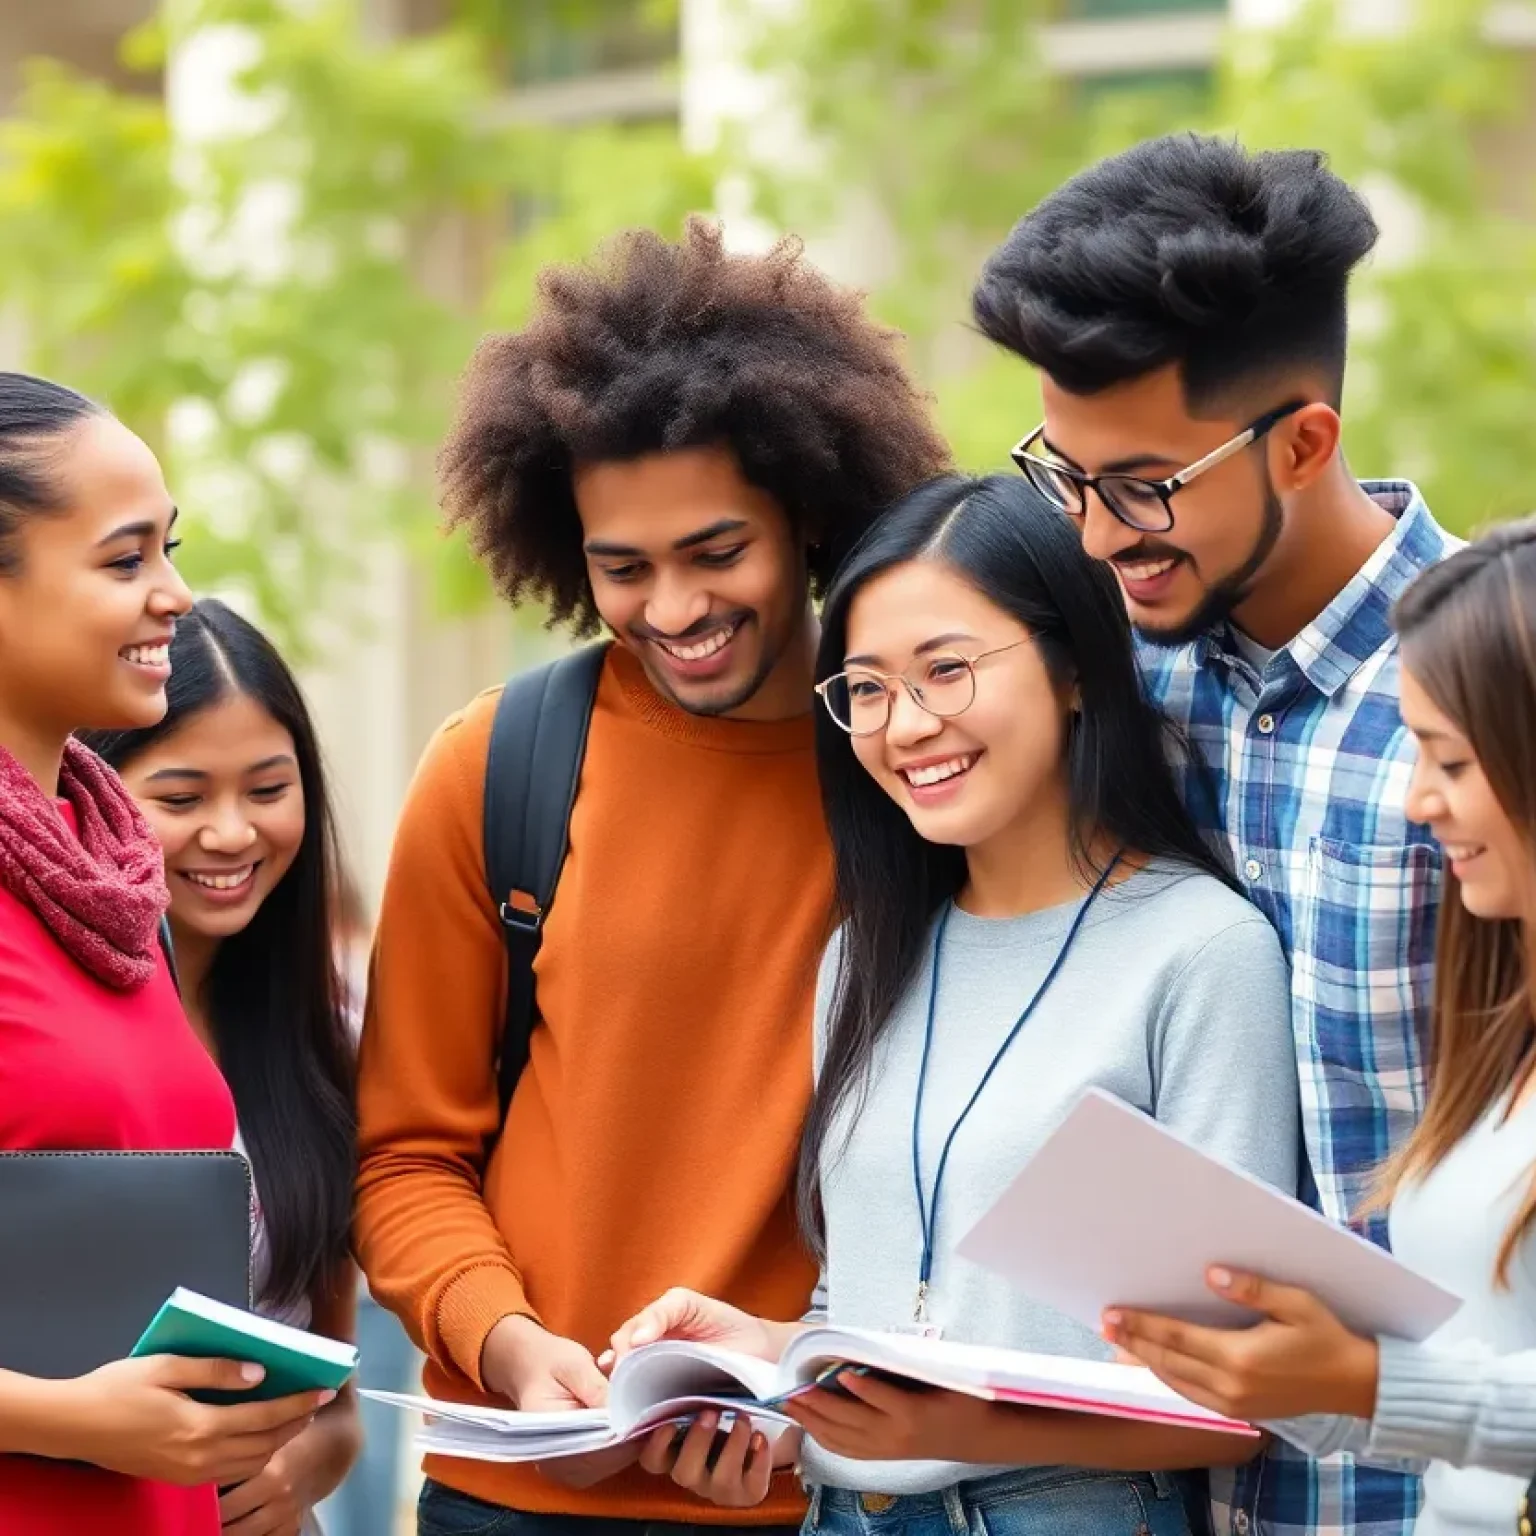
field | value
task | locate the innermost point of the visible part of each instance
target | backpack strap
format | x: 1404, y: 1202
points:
x: 169, y: 951
x: 538, y: 741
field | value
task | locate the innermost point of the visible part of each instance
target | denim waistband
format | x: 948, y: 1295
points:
x: 955, y: 1501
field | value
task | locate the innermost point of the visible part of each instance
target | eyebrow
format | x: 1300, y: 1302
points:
x: 926, y: 648
x: 688, y: 541
x: 1126, y: 466
x: 139, y: 530
x: 279, y: 760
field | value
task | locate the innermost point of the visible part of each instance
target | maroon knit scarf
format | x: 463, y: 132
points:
x: 101, y: 894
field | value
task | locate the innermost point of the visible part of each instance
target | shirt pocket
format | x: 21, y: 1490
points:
x: 1367, y: 918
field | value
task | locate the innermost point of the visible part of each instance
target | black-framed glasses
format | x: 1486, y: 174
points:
x: 859, y: 700
x: 1145, y: 505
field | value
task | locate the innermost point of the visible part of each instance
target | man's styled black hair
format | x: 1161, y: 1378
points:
x: 1185, y: 250
x: 659, y: 346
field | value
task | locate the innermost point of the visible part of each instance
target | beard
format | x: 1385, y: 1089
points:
x: 723, y: 703
x: 1226, y: 595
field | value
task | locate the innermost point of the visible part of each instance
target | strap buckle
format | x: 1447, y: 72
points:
x: 522, y: 912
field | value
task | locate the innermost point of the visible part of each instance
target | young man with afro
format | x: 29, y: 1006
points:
x: 678, y: 449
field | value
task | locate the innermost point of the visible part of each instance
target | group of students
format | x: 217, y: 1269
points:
x: 911, y: 806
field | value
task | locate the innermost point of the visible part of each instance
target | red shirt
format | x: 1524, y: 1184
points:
x: 85, y: 1068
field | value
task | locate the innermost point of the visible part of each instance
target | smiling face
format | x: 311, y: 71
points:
x: 700, y: 574
x: 966, y: 779
x: 1451, y: 795
x: 224, y: 796
x: 1227, y: 522
x: 87, y: 616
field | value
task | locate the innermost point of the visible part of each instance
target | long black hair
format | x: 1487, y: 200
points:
x: 1019, y: 552
x: 273, y: 997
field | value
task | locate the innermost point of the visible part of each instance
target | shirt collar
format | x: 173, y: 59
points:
x: 1358, y: 622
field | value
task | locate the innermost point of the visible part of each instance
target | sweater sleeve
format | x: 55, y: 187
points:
x: 428, y: 1105
x: 1224, y: 1063
x: 1332, y: 1434
x: 1465, y: 1406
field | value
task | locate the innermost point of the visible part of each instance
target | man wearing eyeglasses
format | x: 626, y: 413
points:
x: 1185, y: 304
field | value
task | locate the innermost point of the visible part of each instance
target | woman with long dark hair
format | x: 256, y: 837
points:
x: 1027, y: 912
x: 95, y: 1053
x: 231, y: 780
x: 1462, y: 1188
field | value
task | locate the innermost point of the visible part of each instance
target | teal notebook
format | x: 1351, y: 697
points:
x: 296, y: 1361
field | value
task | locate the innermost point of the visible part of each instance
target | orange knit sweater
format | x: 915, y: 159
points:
x: 651, y: 1141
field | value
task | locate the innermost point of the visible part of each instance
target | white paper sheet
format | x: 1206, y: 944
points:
x: 1115, y: 1209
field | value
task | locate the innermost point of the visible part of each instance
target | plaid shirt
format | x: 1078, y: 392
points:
x: 1309, y: 766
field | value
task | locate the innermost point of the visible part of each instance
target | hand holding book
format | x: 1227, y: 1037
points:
x: 673, y: 1381
x: 683, y: 1314
x: 541, y: 1372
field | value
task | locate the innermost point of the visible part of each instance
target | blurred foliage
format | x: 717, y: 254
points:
x: 281, y: 308
x: 1443, y: 361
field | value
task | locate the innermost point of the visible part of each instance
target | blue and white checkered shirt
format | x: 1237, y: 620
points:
x: 1309, y: 764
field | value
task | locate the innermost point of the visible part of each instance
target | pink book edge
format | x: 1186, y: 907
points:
x: 1138, y: 1415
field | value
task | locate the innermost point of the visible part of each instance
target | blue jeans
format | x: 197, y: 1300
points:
x: 445, y: 1512
x: 367, y: 1503
x: 1034, y: 1501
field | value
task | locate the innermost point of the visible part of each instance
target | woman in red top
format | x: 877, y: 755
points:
x: 95, y: 1052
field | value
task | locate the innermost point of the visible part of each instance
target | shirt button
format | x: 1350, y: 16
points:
x: 1253, y: 869
x: 1266, y: 724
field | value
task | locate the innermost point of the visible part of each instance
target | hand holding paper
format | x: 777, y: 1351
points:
x: 1301, y: 1359
x: 1162, y: 1213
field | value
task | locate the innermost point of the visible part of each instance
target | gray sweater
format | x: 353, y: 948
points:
x: 1465, y: 1401
x: 1174, y: 998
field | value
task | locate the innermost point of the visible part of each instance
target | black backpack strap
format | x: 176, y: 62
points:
x: 538, y: 741
x: 169, y: 951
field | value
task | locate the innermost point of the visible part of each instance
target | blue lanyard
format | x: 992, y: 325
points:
x: 928, y: 1210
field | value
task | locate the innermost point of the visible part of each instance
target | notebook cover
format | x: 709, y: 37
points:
x: 176, y: 1331
x: 94, y: 1242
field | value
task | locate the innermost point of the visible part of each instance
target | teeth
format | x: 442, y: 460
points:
x: 1148, y: 570
x: 936, y: 773
x: 147, y: 655
x: 230, y: 882
x: 701, y: 651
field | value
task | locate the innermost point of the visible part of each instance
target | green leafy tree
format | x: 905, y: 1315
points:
x: 299, y: 387
x: 301, y: 381
x: 947, y: 119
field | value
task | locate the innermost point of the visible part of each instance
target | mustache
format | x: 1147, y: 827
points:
x: 1144, y: 553
x: 713, y: 624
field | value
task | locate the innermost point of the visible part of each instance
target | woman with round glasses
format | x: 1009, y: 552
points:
x: 1027, y: 912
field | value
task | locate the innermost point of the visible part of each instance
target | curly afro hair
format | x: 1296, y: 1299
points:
x: 662, y: 346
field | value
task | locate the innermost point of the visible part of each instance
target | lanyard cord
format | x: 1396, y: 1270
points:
x: 927, y: 1210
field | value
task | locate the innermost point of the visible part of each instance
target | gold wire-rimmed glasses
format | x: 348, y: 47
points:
x: 859, y: 700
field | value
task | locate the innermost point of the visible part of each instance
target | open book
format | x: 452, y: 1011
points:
x: 674, y: 1381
